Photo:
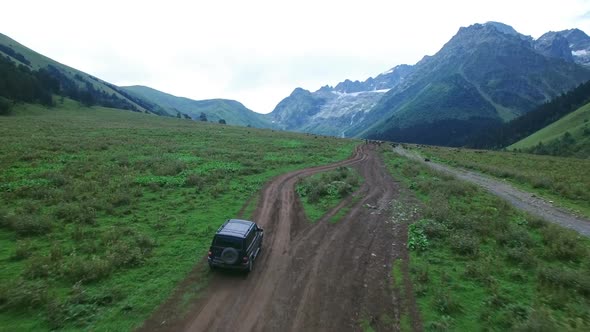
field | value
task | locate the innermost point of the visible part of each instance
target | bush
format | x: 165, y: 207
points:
x: 23, y: 294
x: 87, y: 269
x: 194, y: 180
x: 74, y: 212
x: 537, y: 223
x: 538, y: 321
x: 169, y: 167
x: 27, y: 225
x: 566, y: 279
x: 57, y: 179
x: 514, y: 237
x: 23, y: 249
x: 563, y: 244
x: 465, y: 243
x: 38, y: 267
x: 433, y: 229
x: 119, y: 199
x: 5, y: 106
x: 521, y: 256
x: 445, y: 304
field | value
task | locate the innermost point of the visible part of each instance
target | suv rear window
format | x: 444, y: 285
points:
x: 228, y: 241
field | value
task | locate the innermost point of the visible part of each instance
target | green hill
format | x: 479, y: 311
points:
x: 568, y: 136
x: 74, y: 83
x: 231, y: 111
x: 26, y: 65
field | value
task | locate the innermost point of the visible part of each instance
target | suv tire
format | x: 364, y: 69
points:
x: 229, y: 255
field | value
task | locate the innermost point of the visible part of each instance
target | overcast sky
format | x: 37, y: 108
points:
x: 255, y: 51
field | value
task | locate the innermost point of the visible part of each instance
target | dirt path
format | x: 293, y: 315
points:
x: 520, y: 199
x: 313, y: 277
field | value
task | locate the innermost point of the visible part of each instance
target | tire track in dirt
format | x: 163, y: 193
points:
x: 518, y: 198
x: 322, y: 276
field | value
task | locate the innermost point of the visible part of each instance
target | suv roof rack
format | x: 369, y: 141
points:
x: 235, y: 227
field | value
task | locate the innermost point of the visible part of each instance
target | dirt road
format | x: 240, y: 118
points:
x: 313, y: 277
x: 520, y: 199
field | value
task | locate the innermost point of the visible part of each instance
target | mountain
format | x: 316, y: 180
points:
x: 43, y: 77
x: 231, y: 111
x: 329, y: 110
x: 571, y: 45
x: 485, y: 75
x: 72, y: 82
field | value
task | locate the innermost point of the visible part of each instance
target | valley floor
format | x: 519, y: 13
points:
x: 320, y: 276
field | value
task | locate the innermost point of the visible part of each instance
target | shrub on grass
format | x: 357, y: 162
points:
x: 195, y: 181
x: 23, y: 294
x: 521, y: 256
x: 86, y: 269
x: 76, y: 213
x: 23, y: 249
x: 480, y: 269
x: 38, y: 266
x: 514, y: 237
x: 57, y: 179
x: 169, y: 167
x: 457, y: 188
x: 27, y: 225
x: 445, y: 323
x: 540, y: 320
x: 536, y: 223
x: 465, y: 243
x: 119, y: 199
x: 438, y: 209
x: 562, y: 244
x: 566, y: 279
x: 445, y: 304
x: 433, y: 229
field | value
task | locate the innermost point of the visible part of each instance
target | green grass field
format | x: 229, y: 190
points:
x: 566, y: 181
x: 478, y: 264
x: 103, y: 212
x: 575, y: 123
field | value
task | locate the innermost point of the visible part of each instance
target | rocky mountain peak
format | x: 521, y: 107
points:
x: 555, y: 45
x: 501, y: 27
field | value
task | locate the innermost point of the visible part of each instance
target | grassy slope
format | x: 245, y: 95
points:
x: 231, y: 111
x: 565, y: 181
x: 102, y: 212
x: 478, y: 264
x: 572, y: 123
x: 39, y: 61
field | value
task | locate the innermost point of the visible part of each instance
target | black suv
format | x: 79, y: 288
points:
x: 236, y: 245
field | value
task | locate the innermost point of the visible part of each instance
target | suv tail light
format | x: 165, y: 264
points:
x: 245, y: 259
x: 210, y: 253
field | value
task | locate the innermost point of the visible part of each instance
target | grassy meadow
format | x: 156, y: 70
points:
x: 566, y: 181
x: 477, y: 264
x: 103, y: 212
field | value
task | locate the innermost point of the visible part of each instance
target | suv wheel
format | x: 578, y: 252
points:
x: 229, y: 255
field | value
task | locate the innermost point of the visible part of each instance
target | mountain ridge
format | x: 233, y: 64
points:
x: 91, y: 90
x: 486, y: 73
